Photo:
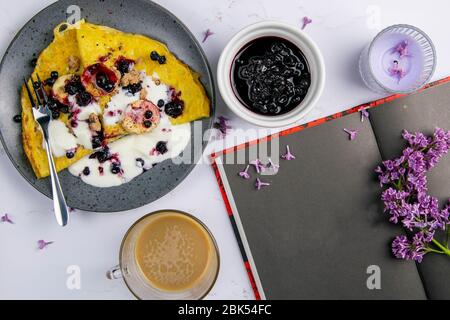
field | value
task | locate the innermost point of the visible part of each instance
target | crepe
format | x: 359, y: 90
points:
x: 89, y: 44
x: 54, y: 58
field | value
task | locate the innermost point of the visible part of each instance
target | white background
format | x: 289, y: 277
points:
x: 91, y: 241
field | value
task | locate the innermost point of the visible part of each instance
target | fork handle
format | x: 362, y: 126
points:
x: 59, y: 202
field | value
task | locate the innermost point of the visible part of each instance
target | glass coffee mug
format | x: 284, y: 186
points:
x: 168, y: 255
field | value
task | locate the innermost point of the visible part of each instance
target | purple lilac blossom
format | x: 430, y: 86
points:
x: 405, y: 195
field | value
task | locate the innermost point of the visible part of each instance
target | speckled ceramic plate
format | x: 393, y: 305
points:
x: 137, y: 16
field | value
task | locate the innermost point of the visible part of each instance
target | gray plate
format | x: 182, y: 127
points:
x: 137, y: 16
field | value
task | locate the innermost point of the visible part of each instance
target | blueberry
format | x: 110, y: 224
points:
x: 63, y: 108
x: 36, y: 84
x: 140, y: 162
x: 54, y: 75
x: 70, y: 154
x: 86, y: 171
x: 134, y: 88
x: 108, y: 87
x: 96, y: 142
x: 160, y: 103
x: 74, y: 86
x: 55, y: 114
x: 17, y: 118
x: 115, y: 168
x: 123, y: 66
x: 49, y: 81
x: 154, y: 55
x: 147, y: 123
x: 84, y: 98
x: 162, y: 60
x: 174, y: 109
x: 161, y: 147
x: 103, y: 82
x: 148, y: 114
x: 33, y: 62
x: 102, y: 155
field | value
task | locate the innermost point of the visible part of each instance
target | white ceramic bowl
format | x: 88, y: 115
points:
x: 285, y: 31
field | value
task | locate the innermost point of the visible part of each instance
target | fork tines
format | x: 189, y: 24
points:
x: 39, y: 93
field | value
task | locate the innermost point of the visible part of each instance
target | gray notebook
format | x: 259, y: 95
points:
x: 319, y: 231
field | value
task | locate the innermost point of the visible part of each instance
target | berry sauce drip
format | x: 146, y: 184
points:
x: 270, y: 76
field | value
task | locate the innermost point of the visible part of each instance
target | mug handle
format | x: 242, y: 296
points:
x: 114, y: 273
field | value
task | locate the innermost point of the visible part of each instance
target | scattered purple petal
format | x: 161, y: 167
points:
x: 288, y: 155
x: 351, y: 133
x: 222, y: 125
x: 259, y: 184
x: 259, y: 167
x: 401, y: 49
x: 273, y: 166
x: 364, y: 114
x: 207, y: 34
x: 42, y: 244
x: 244, y: 174
x: 305, y: 22
x: 6, y: 218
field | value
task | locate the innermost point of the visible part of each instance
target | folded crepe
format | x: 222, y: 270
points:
x: 76, y: 47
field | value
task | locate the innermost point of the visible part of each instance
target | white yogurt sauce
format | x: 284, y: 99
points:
x: 133, y: 147
x: 61, y: 139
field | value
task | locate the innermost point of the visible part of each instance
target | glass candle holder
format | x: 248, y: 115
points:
x: 400, y: 59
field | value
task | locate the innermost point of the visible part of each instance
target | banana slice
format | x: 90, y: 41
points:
x: 140, y: 117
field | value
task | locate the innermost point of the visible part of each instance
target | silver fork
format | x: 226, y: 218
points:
x: 42, y: 115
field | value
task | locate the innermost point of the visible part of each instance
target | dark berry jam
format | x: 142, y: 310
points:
x: 270, y: 76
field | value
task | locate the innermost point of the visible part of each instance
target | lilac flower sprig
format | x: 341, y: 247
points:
x: 405, y: 195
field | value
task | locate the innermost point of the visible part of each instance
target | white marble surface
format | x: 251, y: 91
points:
x: 91, y: 241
